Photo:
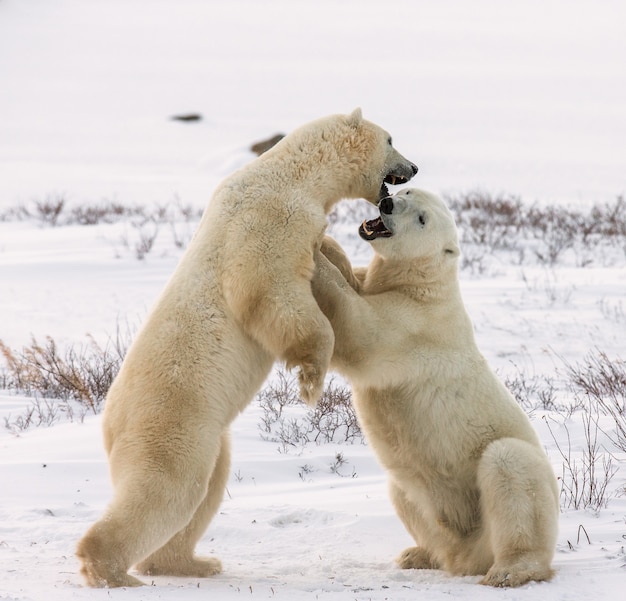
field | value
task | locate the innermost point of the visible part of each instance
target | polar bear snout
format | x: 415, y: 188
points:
x: 394, y: 204
x: 397, y: 170
x: 381, y: 227
x: 385, y: 206
x: 401, y: 173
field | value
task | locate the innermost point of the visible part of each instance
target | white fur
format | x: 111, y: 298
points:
x: 467, y: 474
x: 239, y: 299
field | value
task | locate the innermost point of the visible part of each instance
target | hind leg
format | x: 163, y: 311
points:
x: 153, y: 501
x: 520, y: 507
x: 130, y: 529
x: 417, y: 558
x: 176, y: 557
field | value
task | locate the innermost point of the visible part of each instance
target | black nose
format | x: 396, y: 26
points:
x: 386, y: 205
x: 414, y: 169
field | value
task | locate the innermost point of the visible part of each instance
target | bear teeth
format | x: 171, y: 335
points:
x: 395, y: 179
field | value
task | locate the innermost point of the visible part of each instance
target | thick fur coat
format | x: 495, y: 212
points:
x: 239, y: 300
x: 467, y: 474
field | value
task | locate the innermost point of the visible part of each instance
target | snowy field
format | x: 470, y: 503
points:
x: 521, y: 98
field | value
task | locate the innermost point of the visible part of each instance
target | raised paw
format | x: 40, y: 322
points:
x: 416, y: 558
x: 311, y: 385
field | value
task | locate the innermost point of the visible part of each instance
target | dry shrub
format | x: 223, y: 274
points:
x: 609, y: 220
x: 492, y: 221
x: 286, y: 420
x: 602, y: 382
x: 40, y: 412
x: 598, y: 386
x: 556, y: 228
x: 533, y: 391
x: 82, y: 374
x: 491, y: 224
x: 102, y: 212
x: 487, y: 224
x: 586, y: 475
x: 49, y: 209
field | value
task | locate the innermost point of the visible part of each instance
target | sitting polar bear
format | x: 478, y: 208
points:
x: 467, y: 474
x: 239, y: 299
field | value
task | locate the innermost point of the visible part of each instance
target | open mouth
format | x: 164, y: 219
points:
x: 394, y: 180
x: 375, y: 228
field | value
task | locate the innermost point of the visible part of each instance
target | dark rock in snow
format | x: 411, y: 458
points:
x: 264, y: 145
x: 188, y: 117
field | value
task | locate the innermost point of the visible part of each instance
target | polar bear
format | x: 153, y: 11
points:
x: 468, y: 477
x: 239, y: 299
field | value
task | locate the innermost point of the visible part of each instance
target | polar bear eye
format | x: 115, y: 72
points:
x: 421, y: 218
x: 389, y: 141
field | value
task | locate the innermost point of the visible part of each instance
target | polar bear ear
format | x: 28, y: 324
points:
x: 354, y: 120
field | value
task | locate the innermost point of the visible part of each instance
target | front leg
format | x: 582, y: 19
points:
x: 332, y: 250
x: 292, y: 326
x: 310, y: 350
x: 354, y: 321
x: 269, y: 295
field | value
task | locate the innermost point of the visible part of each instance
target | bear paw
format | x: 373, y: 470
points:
x: 98, y: 579
x: 311, y: 385
x: 516, y: 574
x: 99, y: 568
x: 196, y: 567
x: 416, y: 558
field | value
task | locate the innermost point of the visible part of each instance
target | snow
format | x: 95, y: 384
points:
x: 526, y: 98
x: 522, y: 97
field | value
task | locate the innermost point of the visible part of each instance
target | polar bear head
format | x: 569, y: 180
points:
x: 412, y: 224
x: 348, y: 157
x: 382, y: 163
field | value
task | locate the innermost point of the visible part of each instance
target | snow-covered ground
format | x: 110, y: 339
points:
x: 526, y: 98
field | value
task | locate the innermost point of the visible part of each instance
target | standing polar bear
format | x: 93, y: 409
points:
x: 468, y: 476
x: 239, y: 299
